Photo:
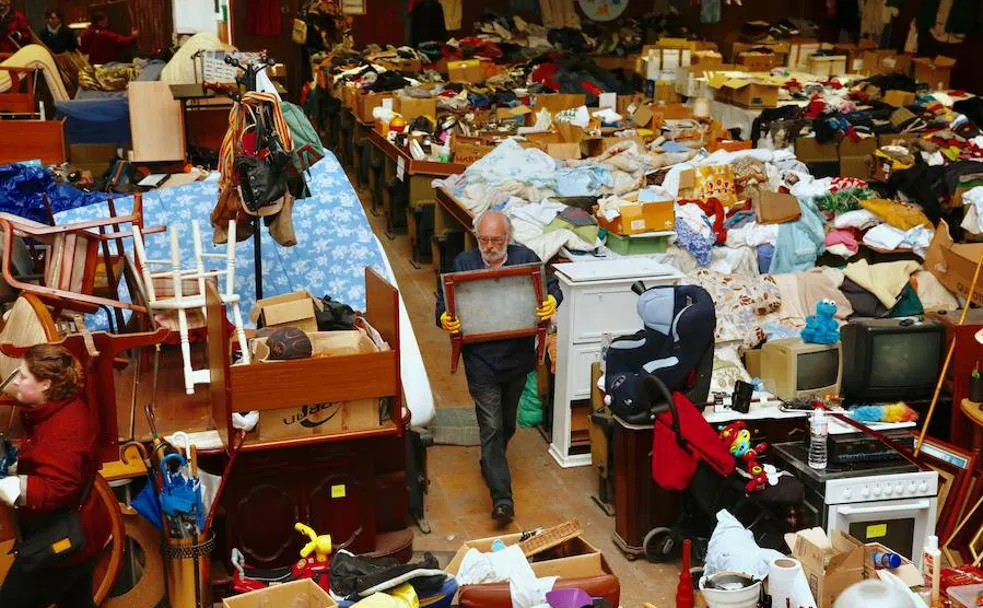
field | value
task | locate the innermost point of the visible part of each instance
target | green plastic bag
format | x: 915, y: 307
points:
x: 530, y: 405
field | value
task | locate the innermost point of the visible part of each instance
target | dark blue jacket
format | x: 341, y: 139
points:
x: 501, y: 360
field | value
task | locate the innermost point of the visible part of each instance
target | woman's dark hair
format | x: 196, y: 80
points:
x: 55, y: 11
x: 56, y: 364
x: 98, y: 17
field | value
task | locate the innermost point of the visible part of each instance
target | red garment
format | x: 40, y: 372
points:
x: 263, y: 18
x: 102, y: 45
x: 673, y: 465
x: 59, y: 457
x: 16, y: 34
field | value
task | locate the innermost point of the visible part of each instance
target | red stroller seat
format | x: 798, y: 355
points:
x: 682, y: 439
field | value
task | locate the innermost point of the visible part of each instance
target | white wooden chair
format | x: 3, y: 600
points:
x: 175, y: 297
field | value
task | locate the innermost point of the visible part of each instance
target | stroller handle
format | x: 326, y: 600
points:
x: 655, y: 386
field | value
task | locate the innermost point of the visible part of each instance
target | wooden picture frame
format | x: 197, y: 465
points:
x: 473, y: 296
x: 956, y: 467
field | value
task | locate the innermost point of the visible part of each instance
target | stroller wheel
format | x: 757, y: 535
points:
x: 661, y: 544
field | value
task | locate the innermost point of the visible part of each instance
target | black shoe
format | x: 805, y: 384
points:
x: 503, y: 513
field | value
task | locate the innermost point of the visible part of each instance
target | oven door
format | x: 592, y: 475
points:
x: 901, y: 525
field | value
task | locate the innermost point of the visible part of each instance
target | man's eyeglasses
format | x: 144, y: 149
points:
x: 491, y: 240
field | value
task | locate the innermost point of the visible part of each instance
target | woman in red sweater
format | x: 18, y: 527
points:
x: 101, y: 44
x: 55, y: 470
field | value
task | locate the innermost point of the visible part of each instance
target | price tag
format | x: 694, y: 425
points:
x: 400, y: 168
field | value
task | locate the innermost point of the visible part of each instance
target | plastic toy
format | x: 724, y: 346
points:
x: 8, y: 455
x: 317, y: 567
x: 737, y: 438
x: 822, y: 328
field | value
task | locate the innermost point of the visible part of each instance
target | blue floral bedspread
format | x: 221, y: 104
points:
x: 334, y: 240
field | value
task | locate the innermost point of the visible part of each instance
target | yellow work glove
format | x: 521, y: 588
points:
x: 548, y: 309
x: 450, y: 324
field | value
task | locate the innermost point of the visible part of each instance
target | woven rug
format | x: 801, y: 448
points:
x: 455, y: 426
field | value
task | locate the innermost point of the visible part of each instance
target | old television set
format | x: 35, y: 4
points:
x: 891, y: 359
x: 793, y: 369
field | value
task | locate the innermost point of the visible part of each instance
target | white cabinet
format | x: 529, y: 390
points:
x: 597, y: 299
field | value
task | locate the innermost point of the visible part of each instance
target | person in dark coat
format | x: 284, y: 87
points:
x: 55, y: 471
x: 497, y: 370
x: 56, y: 35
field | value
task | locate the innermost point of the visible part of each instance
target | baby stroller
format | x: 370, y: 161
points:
x: 688, y: 455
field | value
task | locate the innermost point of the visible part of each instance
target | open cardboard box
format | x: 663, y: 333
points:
x: 575, y: 560
x: 953, y: 264
x: 294, y: 309
x: 297, y: 594
x: 832, y: 565
x: 937, y: 72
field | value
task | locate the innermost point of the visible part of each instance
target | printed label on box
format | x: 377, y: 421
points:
x: 338, y: 491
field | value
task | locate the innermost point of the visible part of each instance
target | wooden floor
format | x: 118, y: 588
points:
x: 458, y: 505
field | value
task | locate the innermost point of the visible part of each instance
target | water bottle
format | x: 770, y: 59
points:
x: 605, y: 344
x: 817, y: 439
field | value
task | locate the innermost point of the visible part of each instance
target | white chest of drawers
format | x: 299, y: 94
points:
x: 597, y: 299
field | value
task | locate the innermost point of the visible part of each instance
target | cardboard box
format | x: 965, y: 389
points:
x: 781, y: 49
x: 953, y: 264
x: 298, y: 594
x: 937, y: 72
x: 808, y: 150
x: 898, y: 98
x: 92, y: 154
x: 707, y: 60
x: 746, y: 91
x: 854, y: 155
x: 466, y: 71
x: 832, y: 565
x: 885, y: 61
x: 828, y: 66
x: 466, y: 153
x: 568, y: 151
x: 323, y: 418
x: 411, y: 107
x: 338, y: 343
x: 557, y: 102
x: 288, y: 310
x: 367, y: 102
x: 801, y: 50
x: 755, y: 61
x: 639, y: 218
x: 349, y: 96
x: 580, y: 558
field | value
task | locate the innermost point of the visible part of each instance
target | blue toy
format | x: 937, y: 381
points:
x: 822, y: 328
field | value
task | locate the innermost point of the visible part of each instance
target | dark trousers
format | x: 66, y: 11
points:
x: 497, y: 405
x: 68, y: 587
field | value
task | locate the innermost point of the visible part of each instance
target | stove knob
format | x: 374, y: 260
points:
x: 923, y: 486
x: 912, y: 487
x: 899, y: 489
x: 888, y: 490
x: 877, y: 490
x: 865, y: 492
x: 847, y: 494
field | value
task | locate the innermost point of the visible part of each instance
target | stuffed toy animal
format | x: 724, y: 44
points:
x: 822, y: 328
x: 737, y: 438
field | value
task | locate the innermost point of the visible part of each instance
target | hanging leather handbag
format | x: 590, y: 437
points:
x: 262, y: 174
x: 54, y: 540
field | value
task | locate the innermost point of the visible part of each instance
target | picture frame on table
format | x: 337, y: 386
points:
x: 957, y: 472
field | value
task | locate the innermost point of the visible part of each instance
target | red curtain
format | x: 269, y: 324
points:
x: 156, y: 23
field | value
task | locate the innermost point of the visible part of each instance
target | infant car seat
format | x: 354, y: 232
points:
x: 676, y: 345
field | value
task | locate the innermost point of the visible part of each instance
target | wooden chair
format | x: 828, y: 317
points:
x: 20, y: 98
x: 176, y: 297
x: 74, y: 256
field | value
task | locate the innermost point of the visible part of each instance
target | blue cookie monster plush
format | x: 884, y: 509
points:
x: 822, y: 328
x: 8, y: 455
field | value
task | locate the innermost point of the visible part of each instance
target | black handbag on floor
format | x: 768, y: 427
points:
x: 53, y: 540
